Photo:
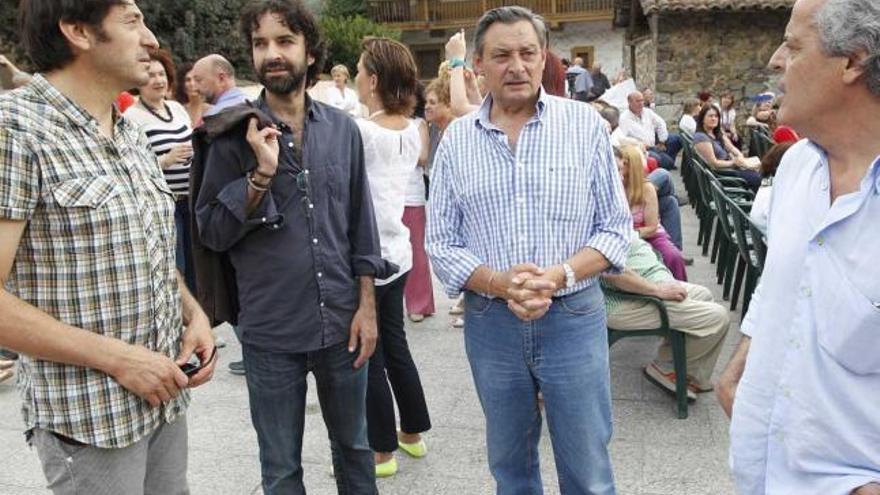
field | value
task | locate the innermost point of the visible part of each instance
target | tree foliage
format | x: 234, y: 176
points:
x: 191, y: 29
x: 344, y: 36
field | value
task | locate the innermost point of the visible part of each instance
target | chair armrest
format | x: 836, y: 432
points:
x: 629, y: 296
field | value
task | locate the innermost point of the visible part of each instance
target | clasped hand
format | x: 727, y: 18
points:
x: 528, y: 289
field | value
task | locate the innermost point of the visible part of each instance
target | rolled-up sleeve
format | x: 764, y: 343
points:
x: 453, y: 262
x: 221, y: 208
x: 612, y: 223
x: 366, y: 252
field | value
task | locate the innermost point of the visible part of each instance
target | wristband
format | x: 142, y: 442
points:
x: 456, y: 62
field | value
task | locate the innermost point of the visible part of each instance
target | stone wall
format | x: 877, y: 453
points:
x: 714, y: 52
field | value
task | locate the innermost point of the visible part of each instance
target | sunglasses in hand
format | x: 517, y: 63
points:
x: 190, y: 369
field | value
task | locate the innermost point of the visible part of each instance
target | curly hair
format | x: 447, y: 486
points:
x: 297, y: 18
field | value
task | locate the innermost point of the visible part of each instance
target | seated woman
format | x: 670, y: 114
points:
x: 761, y: 204
x: 728, y: 118
x: 642, y: 198
x: 689, y: 111
x: 763, y: 114
x: 718, y: 152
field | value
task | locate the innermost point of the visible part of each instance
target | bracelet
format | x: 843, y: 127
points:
x: 257, y: 187
x: 456, y: 62
x: 261, y: 174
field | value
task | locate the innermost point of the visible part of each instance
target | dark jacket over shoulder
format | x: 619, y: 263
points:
x: 297, y: 256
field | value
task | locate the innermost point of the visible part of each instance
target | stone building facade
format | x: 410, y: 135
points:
x: 683, y: 47
x: 600, y: 38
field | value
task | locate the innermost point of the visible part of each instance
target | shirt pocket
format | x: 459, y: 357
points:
x: 565, y: 192
x: 85, y: 214
x: 848, y: 322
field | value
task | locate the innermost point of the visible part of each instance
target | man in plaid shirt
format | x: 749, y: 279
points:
x: 91, y: 297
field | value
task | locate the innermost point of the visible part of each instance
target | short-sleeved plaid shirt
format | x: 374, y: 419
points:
x: 97, y: 253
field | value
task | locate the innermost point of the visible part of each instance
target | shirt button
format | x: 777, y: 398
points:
x: 824, y: 186
x: 520, y: 164
x: 322, y: 304
x: 290, y: 145
x: 320, y: 274
x: 806, y: 292
x: 520, y: 199
x: 820, y: 240
x: 311, y: 206
x: 314, y: 241
x: 263, y: 219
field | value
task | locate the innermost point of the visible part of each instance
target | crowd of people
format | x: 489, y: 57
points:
x: 142, y: 204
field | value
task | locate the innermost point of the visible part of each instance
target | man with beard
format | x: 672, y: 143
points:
x: 285, y: 195
x: 214, y: 77
x: 89, y: 293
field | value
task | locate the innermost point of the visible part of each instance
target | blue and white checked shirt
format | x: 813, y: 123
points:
x: 807, y: 413
x: 556, y: 194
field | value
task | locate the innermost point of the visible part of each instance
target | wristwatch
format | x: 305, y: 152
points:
x: 570, y: 279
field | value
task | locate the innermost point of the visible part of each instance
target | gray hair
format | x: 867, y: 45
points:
x: 509, y: 15
x: 847, y: 27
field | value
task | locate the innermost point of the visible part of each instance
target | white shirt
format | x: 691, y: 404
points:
x: 761, y: 207
x: 688, y: 124
x: 807, y: 413
x: 647, y: 128
x: 391, y: 157
x: 346, y: 100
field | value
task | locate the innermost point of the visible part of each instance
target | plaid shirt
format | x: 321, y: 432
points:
x: 540, y: 203
x: 97, y: 253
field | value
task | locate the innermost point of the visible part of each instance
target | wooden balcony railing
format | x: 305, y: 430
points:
x: 421, y: 14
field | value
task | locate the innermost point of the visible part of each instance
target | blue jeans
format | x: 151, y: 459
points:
x: 564, y: 355
x: 663, y: 159
x: 670, y: 216
x: 277, y: 391
x: 673, y: 145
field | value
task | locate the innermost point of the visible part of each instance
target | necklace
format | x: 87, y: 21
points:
x: 377, y: 113
x: 156, y: 113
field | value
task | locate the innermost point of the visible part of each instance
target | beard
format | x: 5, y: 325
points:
x: 285, y: 84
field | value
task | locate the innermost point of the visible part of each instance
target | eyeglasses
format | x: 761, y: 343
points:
x: 190, y: 369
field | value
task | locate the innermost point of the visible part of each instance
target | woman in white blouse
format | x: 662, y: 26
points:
x: 386, y: 83
x: 341, y: 96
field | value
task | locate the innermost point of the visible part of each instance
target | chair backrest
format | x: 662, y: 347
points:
x: 759, y: 241
x: 723, y: 208
x: 743, y: 234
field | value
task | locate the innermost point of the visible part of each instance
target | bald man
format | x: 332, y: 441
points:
x: 214, y: 77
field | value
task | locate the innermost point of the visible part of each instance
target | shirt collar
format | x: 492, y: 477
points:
x: 69, y: 108
x: 314, y: 112
x: 872, y: 177
x: 485, y: 111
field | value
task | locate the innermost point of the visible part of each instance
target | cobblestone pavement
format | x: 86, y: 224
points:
x: 653, y: 452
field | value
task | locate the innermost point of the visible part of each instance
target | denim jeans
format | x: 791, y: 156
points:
x: 673, y: 145
x: 663, y: 159
x: 670, y: 216
x: 277, y: 391
x: 564, y: 355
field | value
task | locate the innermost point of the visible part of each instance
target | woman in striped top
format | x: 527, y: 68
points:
x: 169, y: 130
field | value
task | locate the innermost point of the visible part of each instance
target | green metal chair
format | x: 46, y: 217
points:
x: 676, y: 339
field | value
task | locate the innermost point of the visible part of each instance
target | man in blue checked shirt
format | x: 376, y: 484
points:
x: 523, y: 220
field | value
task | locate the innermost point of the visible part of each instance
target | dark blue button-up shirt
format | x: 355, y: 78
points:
x: 297, y: 255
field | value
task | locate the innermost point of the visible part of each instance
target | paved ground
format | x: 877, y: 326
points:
x: 653, y: 452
